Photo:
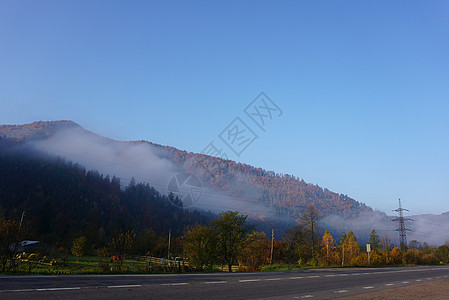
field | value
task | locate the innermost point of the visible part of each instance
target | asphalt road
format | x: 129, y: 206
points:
x: 316, y: 284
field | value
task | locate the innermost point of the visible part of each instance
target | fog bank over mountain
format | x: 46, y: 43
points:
x: 224, y: 184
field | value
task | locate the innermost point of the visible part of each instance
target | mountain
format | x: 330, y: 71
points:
x: 263, y: 193
x: 35, y: 130
x: 430, y: 228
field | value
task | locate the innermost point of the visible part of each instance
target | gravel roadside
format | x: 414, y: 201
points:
x: 430, y: 290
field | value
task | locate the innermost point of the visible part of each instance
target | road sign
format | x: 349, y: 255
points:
x: 368, y: 249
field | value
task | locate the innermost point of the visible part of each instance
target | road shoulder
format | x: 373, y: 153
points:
x: 430, y: 290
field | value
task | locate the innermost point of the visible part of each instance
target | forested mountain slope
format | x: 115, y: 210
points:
x: 62, y: 200
x: 284, y: 194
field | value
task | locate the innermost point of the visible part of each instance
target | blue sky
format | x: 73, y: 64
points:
x: 364, y: 87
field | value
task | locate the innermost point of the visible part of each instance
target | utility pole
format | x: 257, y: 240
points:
x: 272, y: 245
x: 401, y: 226
x: 20, y: 226
x: 21, y: 219
x: 169, y: 240
x: 313, y: 240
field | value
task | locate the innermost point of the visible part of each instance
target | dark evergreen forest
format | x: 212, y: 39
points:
x: 63, y: 200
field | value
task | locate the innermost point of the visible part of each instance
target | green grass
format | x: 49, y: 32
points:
x: 96, y: 265
x: 85, y: 265
x: 277, y: 267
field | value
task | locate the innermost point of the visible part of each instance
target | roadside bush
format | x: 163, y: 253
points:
x: 428, y: 259
x: 377, y: 258
x: 360, y: 260
x: 313, y: 262
x: 442, y: 254
x: 411, y: 256
x: 397, y: 256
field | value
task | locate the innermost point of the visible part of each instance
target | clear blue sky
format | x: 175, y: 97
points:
x: 364, y: 86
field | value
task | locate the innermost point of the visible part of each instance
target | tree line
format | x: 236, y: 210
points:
x: 229, y: 240
x: 302, y: 245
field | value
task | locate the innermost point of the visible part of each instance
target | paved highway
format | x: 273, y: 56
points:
x: 316, y: 284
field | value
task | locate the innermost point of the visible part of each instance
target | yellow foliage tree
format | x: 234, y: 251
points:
x: 328, y: 248
x: 377, y: 257
x: 353, y: 248
x: 396, y: 256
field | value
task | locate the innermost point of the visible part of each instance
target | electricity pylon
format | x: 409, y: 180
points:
x: 401, y: 225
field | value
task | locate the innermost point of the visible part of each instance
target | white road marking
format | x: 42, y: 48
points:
x: 273, y: 279
x: 178, y: 283
x: 389, y: 284
x: 22, y: 290
x: 368, y: 287
x: 124, y: 286
x: 418, y: 280
x: 59, y: 289
x: 250, y: 280
x: 429, y: 278
x: 341, y: 291
x: 306, y: 296
x: 299, y: 277
x: 215, y: 282
x: 406, y: 282
x: 313, y: 276
x: 330, y: 275
x: 343, y: 275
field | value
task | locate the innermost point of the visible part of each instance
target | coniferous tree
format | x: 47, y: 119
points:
x: 374, y: 240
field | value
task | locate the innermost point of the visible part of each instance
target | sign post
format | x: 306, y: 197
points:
x: 368, y: 249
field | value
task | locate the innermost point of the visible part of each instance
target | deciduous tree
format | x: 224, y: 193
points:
x: 231, y: 230
x: 353, y: 246
x: 296, y: 245
x: 200, y: 245
x: 256, y: 252
x: 122, y: 243
x: 328, y: 248
x: 310, y: 221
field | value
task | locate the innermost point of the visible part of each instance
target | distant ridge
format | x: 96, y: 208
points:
x: 36, y: 130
